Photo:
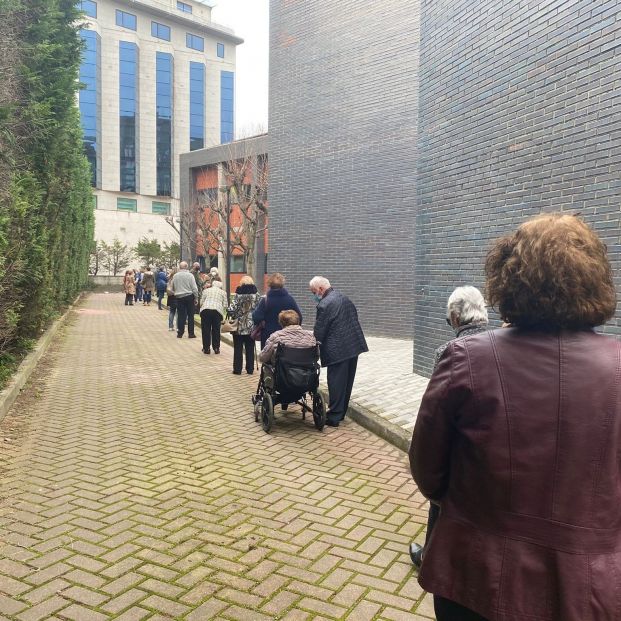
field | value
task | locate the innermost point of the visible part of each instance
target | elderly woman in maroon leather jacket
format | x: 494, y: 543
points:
x: 518, y: 438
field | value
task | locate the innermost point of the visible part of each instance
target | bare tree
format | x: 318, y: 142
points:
x: 117, y: 257
x: 98, y: 257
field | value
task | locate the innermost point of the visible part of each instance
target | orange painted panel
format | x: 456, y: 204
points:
x: 206, y: 178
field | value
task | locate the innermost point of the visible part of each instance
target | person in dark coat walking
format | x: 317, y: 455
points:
x: 276, y: 300
x: 341, y: 339
x: 161, y: 280
x: 518, y: 438
x: 467, y: 315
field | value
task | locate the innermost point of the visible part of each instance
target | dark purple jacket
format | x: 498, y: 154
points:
x: 519, y: 439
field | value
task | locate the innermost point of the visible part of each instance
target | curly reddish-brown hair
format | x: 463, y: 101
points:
x: 551, y: 273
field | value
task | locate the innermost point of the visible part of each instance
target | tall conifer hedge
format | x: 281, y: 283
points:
x: 46, y: 209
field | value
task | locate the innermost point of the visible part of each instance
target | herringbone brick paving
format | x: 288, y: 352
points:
x: 135, y: 484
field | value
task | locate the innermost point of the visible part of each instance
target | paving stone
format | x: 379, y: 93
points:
x: 162, y: 503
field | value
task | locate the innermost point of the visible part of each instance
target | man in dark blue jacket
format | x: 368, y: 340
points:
x: 341, y: 342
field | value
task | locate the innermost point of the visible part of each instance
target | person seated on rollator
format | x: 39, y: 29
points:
x: 291, y: 335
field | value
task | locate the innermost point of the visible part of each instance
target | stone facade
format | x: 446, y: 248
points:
x: 343, y: 125
x: 519, y: 113
x: 145, y: 222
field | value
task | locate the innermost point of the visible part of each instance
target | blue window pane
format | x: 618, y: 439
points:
x: 88, y: 97
x: 197, y: 106
x: 220, y: 50
x: 160, y: 31
x: 227, y: 106
x: 127, y: 92
x: 126, y: 20
x: 128, y: 70
x: 89, y: 77
x: 88, y: 7
x: 182, y: 6
x: 195, y: 42
x: 163, y: 123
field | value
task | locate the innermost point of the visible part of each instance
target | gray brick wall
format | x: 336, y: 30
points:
x: 343, y: 123
x: 520, y: 112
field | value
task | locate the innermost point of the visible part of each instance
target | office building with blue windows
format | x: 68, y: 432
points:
x: 158, y: 80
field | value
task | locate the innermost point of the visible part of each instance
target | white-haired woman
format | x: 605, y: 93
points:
x: 467, y: 315
x: 213, y: 309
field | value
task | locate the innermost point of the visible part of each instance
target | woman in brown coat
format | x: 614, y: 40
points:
x: 519, y: 436
x: 129, y: 286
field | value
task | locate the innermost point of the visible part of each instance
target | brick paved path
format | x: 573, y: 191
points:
x: 135, y: 484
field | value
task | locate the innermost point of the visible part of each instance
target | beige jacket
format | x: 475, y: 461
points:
x: 291, y: 336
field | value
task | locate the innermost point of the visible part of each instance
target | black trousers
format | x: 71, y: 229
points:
x: 340, y: 383
x: 185, y: 310
x: 447, y: 610
x: 243, y: 342
x: 210, y: 328
x: 129, y: 299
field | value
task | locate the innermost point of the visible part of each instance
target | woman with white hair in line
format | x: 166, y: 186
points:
x: 467, y: 315
x: 214, y: 302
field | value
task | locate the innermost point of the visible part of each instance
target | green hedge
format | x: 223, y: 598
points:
x: 46, y: 209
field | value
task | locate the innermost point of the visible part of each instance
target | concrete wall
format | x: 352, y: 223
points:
x: 343, y: 124
x: 519, y: 113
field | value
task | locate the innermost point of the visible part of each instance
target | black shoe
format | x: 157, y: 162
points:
x: 179, y: 336
x: 416, y: 554
x: 216, y: 351
x: 248, y: 372
x: 236, y: 372
x: 207, y: 351
x: 332, y: 423
x: 192, y: 336
x: 285, y: 406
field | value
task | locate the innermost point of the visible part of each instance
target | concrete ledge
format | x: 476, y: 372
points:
x: 29, y: 364
x: 393, y: 434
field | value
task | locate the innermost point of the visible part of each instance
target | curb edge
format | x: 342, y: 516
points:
x: 9, y: 395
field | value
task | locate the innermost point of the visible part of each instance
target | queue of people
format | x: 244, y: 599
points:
x: 517, y: 441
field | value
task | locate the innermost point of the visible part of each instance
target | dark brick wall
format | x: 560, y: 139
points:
x: 343, y: 122
x: 520, y: 112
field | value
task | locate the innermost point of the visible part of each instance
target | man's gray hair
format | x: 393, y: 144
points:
x: 319, y: 281
x: 468, y: 304
x: 183, y: 265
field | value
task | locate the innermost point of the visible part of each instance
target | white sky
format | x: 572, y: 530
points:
x: 250, y: 21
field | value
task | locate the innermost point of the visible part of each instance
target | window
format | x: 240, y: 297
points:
x: 128, y: 72
x: 160, y: 31
x: 237, y: 264
x: 163, y: 122
x: 161, y: 209
x: 182, y: 6
x: 227, y: 86
x: 194, y: 42
x: 126, y: 20
x: 90, y: 70
x: 197, y: 106
x: 220, y: 50
x: 127, y: 204
x: 209, y: 195
x: 88, y: 7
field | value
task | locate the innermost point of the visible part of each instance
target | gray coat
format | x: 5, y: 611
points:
x: 337, y: 329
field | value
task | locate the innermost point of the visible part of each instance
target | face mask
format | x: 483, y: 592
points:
x: 317, y: 297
